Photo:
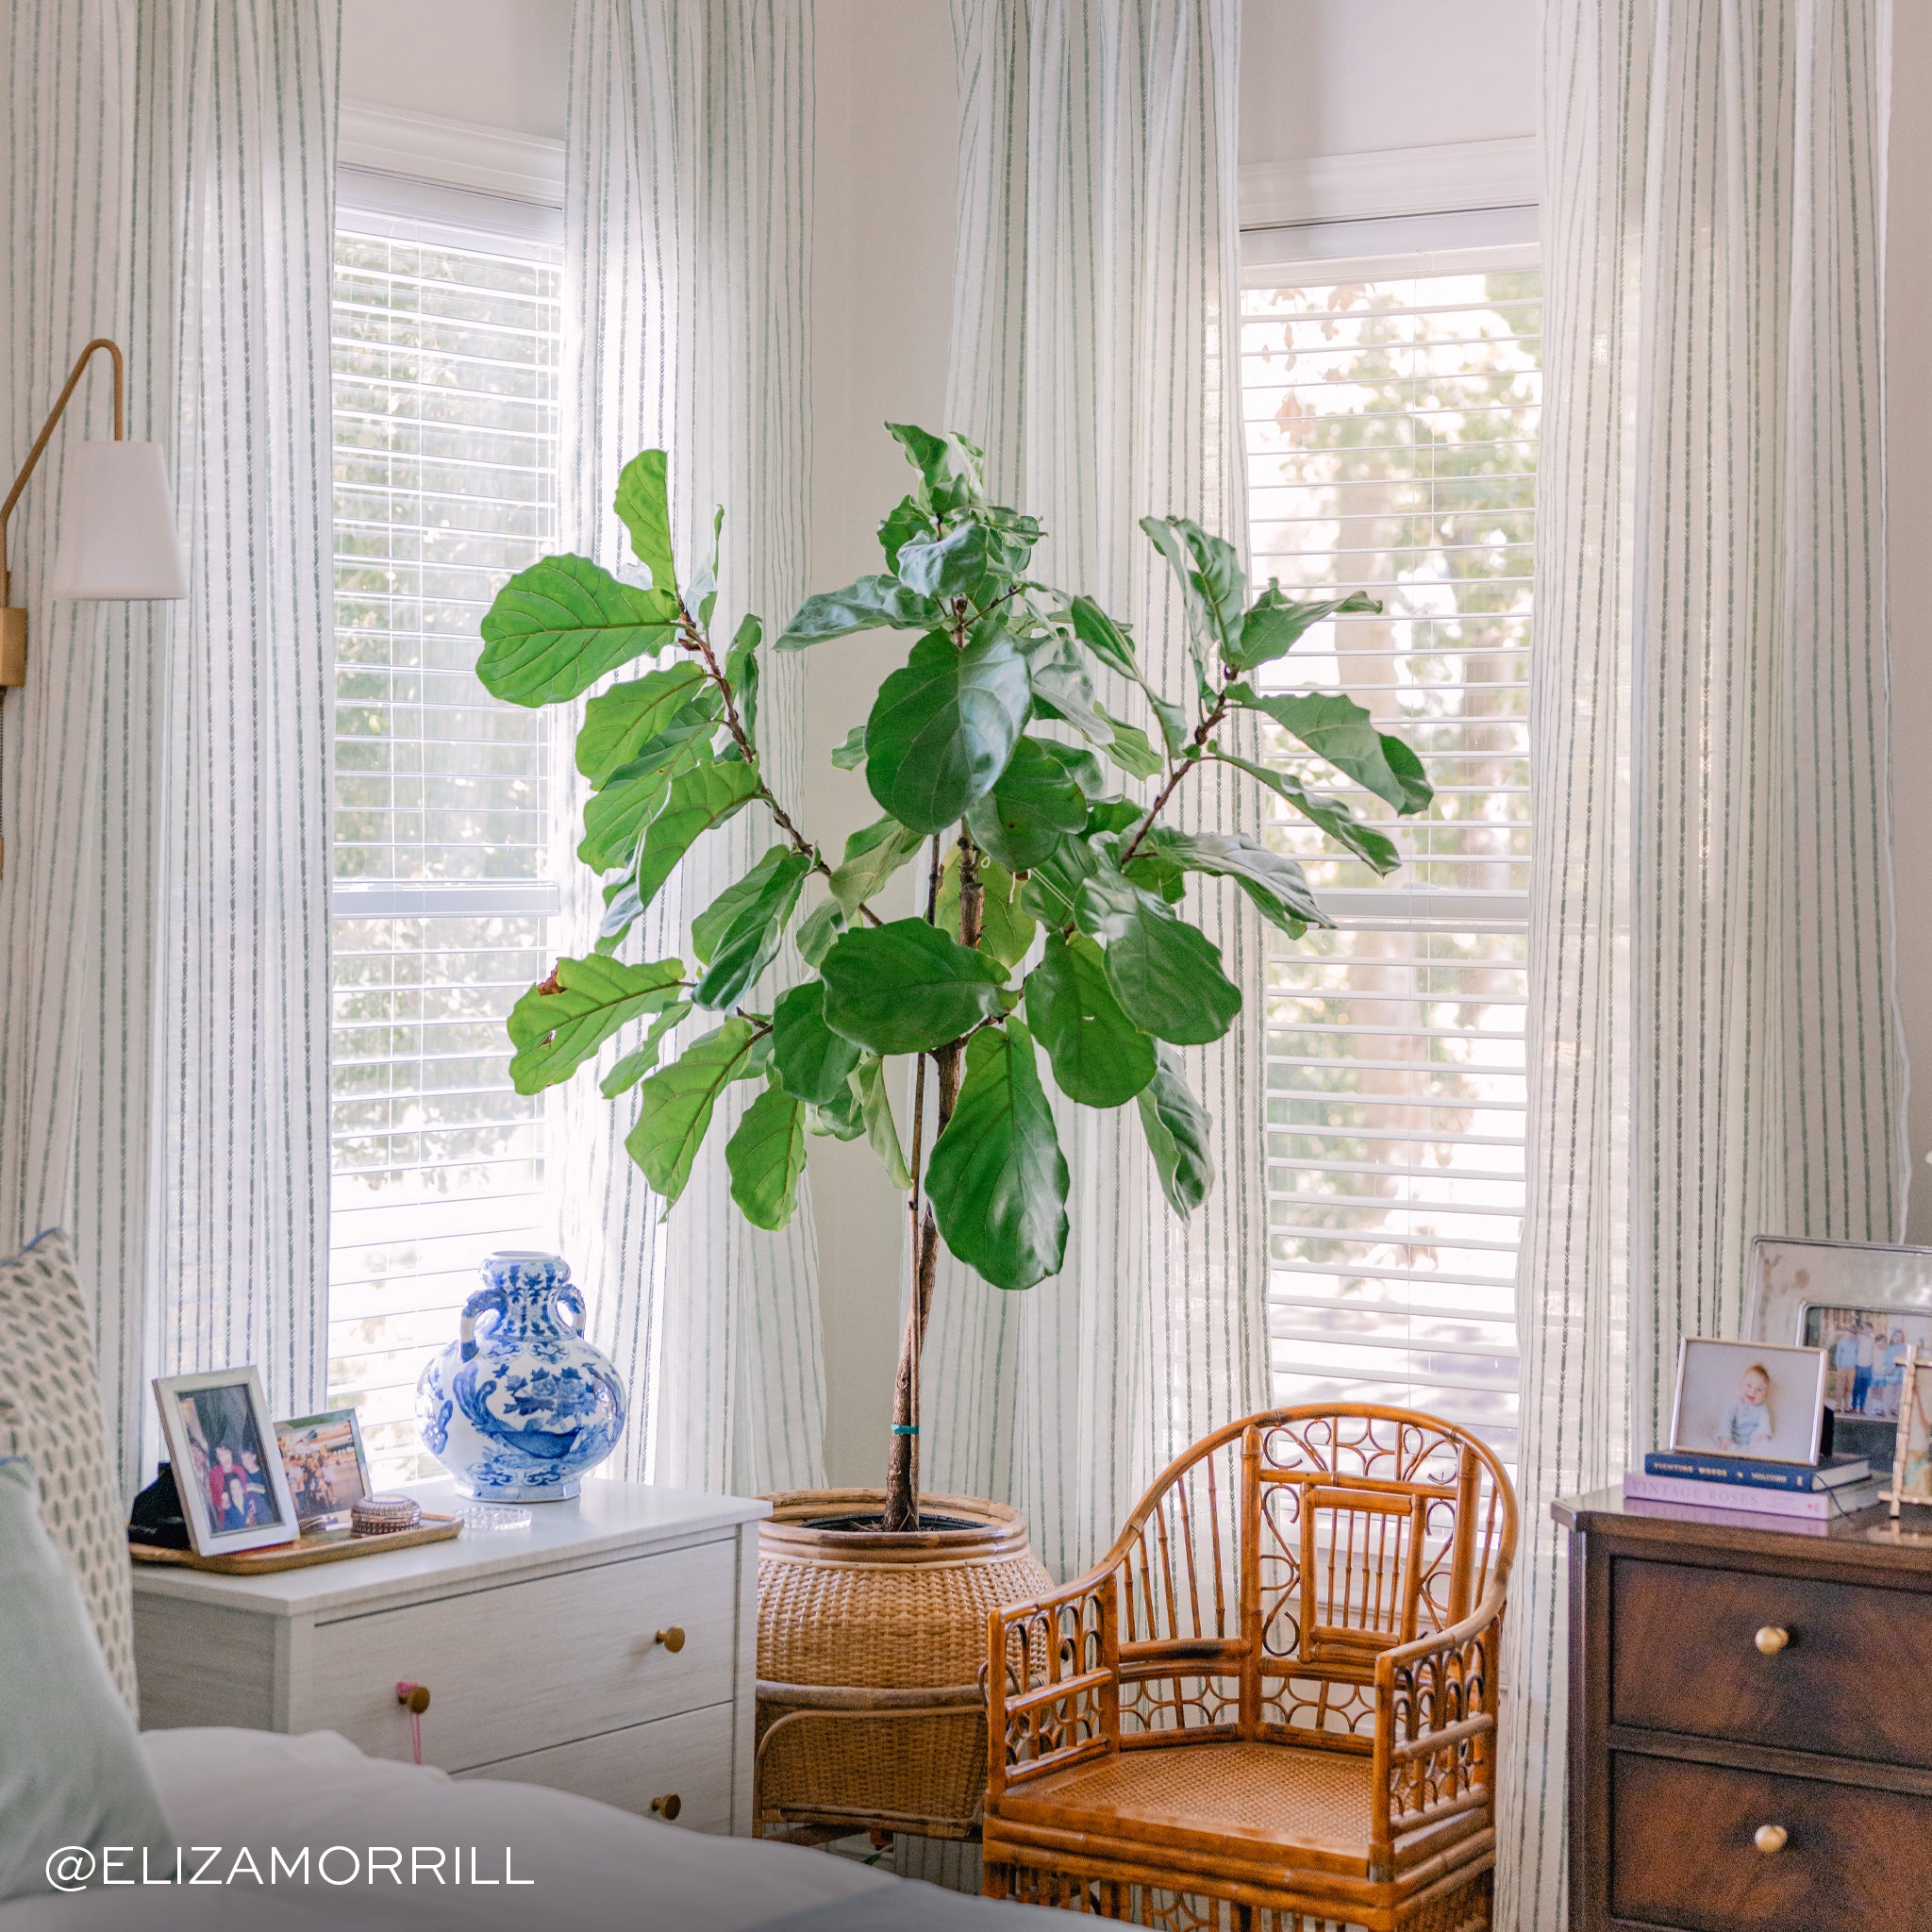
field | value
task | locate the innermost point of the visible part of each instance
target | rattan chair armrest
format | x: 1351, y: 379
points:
x: 1051, y: 1679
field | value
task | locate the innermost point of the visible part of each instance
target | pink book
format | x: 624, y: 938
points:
x: 1774, y: 1509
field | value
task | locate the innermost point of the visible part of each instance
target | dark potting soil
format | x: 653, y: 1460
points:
x: 876, y: 1523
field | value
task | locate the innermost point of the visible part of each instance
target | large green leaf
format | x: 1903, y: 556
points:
x: 1332, y: 814
x: 905, y: 986
x: 873, y: 855
x: 1032, y: 803
x: 1131, y: 749
x: 875, y: 1110
x: 676, y: 1106
x: 742, y: 927
x: 850, y: 754
x: 1338, y: 730
x: 906, y: 523
x: 1100, y: 1058
x: 812, y: 1061
x: 1276, y: 624
x: 615, y: 817
x: 952, y: 471
x: 1062, y: 687
x: 875, y: 603
x: 643, y: 502
x: 946, y: 567
x: 765, y: 1158
x: 943, y: 727
x: 619, y: 722
x: 997, y: 1179
x: 818, y: 929
x: 1165, y: 972
x: 557, y: 1025
x: 742, y: 672
x: 555, y: 628
x: 642, y: 1057
x: 1006, y: 927
x: 700, y: 798
x: 1213, y: 584
x: 1104, y: 638
x: 1177, y: 1129
x: 1272, y: 879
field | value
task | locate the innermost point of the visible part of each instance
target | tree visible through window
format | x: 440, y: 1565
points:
x: 1392, y: 428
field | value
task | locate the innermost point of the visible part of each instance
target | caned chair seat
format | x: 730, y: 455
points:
x: 1302, y: 1810
x: 1271, y: 1706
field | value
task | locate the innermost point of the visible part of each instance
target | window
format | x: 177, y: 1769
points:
x: 446, y: 406
x: 1391, y: 424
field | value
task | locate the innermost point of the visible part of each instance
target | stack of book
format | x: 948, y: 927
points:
x: 1799, y: 1494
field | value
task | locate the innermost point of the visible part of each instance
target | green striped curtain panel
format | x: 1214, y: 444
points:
x: 1095, y: 356
x: 163, y: 926
x: 689, y: 190
x: 1714, y: 1048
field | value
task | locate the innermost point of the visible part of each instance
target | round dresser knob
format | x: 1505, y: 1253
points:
x: 667, y: 1808
x: 1772, y: 1639
x: 414, y: 1698
x: 673, y: 1638
x: 1770, y: 1838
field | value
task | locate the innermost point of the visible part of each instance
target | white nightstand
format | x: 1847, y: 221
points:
x: 551, y: 1654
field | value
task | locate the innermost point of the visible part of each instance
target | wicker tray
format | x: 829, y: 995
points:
x: 323, y: 1546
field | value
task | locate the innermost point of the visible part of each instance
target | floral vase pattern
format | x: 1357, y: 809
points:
x: 520, y: 1406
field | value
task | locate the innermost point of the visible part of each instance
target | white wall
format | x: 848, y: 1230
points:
x: 499, y: 63
x: 1348, y: 76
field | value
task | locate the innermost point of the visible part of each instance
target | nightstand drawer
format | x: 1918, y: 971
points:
x: 1683, y: 1851
x: 680, y: 1764
x: 1687, y: 1659
x: 521, y: 1666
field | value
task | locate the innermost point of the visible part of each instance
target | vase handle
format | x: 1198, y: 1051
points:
x: 483, y: 1302
x: 568, y: 1300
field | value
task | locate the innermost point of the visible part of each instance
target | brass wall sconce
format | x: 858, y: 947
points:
x: 117, y: 537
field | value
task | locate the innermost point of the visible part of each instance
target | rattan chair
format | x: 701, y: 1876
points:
x: 1271, y: 1706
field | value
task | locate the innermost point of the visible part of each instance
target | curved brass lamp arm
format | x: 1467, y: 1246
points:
x: 34, y: 454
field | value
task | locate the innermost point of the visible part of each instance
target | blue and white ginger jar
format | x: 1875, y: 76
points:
x: 520, y: 1405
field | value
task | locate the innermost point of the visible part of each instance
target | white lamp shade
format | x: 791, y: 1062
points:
x: 117, y: 525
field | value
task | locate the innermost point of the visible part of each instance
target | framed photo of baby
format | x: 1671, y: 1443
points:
x: 1749, y: 1398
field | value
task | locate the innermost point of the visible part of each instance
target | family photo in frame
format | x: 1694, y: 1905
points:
x: 226, y: 1462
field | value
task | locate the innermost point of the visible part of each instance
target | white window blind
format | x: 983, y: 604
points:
x: 1391, y: 425
x: 446, y: 406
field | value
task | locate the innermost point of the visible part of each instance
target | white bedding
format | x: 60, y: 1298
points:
x: 590, y: 1866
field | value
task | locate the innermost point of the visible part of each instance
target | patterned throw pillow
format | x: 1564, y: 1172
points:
x: 51, y: 1413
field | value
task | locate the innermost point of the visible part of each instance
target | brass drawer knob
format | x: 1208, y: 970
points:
x: 414, y: 1698
x: 673, y: 1638
x: 667, y: 1808
x: 1770, y: 1838
x: 1772, y: 1639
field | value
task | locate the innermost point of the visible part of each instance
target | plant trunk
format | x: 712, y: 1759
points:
x: 902, y: 1469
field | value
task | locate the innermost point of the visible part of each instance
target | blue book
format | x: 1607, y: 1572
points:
x: 1751, y: 1473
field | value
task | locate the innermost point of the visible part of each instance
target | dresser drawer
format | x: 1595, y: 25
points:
x: 1683, y: 1852
x: 685, y: 1759
x: 521, y: 1666
x: 1686, y: 1658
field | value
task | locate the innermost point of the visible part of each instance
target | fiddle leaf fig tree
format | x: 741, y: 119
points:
x: 1050, y: 946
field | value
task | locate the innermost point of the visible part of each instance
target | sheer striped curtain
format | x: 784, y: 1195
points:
x: 163, y: 921
x: 1095, y: 356
x: 1714, y: 1050
x: 688, y: 292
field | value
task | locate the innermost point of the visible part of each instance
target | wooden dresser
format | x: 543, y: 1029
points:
x: 608, y: 1649
x: 1749, y: 1723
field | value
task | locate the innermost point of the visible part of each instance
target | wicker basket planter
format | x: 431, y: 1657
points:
x: 871, y: 1713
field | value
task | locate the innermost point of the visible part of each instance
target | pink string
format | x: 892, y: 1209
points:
x: 403, y: 1691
